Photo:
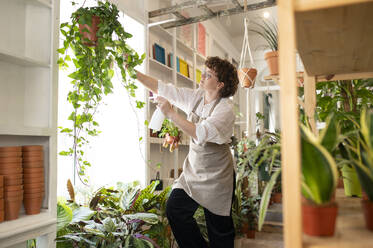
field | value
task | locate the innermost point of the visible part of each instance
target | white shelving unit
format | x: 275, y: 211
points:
x: 28, y: 104
x: 170, y: 40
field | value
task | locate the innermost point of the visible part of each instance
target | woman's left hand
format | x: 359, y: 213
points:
x: 164, y: 105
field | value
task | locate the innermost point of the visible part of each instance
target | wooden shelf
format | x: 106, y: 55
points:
x: 276, y: 78
x: 350, y: 227
x: 307, y: 5
x: 159, y: 65
x: 201, y: 58
x: 154, y: 140
x: 21, y: 60
x: 183, y: 46
x: 26, y: 223
x: 184, y: 78
x: 335, y: 40
x: 160, y: 32
x: 42, y: 3
x: 26, y: 131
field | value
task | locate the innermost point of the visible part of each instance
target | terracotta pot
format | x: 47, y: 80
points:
x: 11, y: 149
x: 92, y: 31
x: 12, y: 177
x: 250, y: 234
x: 12, y: 207
x: 340, y: 183
x: 368, y: 213
x: 33, y: 195
x: 2, y: 215
x: 33, y: 180
x: 11, y: 171
x: 272, y: 62
x: 319, y: 220
x: 33, y: 170
x: 28, y: 191
x: 276, y: 197
x: 1, y: 193
x: 1, y: 181
x: 32, y: 148
x: 32, y: 205
x: 365, y: 196
x: 33, y: 153
x: 10, y: 160
x: 247, y: 76
x: 33, y: 186
x: 33, y: 159
x: 13, y: 188
x: 12, y: 194
x: 34, y: 164
x: 10, y: 154
x: 33, y: 175
x: 1, y: 204
x: 13, y: 182
x: 9, y: 165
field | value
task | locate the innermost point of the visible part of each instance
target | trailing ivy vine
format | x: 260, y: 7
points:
x: 94, y: 69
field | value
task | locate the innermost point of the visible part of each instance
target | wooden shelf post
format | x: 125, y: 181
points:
x: 290, y: 152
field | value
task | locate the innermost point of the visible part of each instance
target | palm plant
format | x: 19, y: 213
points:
x: 268, y: 31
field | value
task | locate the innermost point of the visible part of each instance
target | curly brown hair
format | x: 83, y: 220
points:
x: 225, y: 73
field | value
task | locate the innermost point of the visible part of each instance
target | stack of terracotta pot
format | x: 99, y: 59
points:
x: 1, y: 198
x: 33, y: 169
x: 11, y: 170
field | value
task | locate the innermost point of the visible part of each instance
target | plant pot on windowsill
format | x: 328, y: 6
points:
x: 247, y: 77
x: 89, y: 32
x: 272, y: 62
x: 32, y: 202
x: 12, y: 205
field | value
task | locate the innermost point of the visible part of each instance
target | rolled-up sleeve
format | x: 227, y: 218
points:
x: 180, y: 97
x: 218, y: 128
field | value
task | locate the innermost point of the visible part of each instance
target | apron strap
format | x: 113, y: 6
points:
x: 195, y: 106
x: 213, y: 107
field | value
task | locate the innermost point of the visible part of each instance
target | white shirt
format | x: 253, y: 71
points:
x: 217, y: 128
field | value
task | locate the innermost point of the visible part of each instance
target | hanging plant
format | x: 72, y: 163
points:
x: 98, y: 42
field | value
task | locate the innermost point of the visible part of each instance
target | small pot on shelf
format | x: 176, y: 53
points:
x: 272, y: 62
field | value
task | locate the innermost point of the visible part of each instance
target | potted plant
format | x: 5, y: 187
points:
x: 171, y: 135
x: 361, y: 153
x: 269, y: 32
x: 94, y: 58
x: 319, y: 180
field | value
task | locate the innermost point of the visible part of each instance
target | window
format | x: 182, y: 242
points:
x: 116, y: 154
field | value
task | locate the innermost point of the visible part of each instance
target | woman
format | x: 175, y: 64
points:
x: 208, y: 176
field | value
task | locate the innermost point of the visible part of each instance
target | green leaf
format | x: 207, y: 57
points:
x: 146, y: 217
x: 319, y: 170
x: 82, y: 213
x: 265, y: 198
x: 64, y: 215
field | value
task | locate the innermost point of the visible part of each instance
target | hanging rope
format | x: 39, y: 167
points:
x: 246, y: 75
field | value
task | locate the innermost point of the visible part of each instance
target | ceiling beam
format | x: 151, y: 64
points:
x: 179, y: 15
x: 181, y: 6
x: 206, y: 9
x: 235, y: 2
x: 233, y: 11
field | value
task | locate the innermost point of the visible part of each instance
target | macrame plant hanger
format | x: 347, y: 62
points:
x: 246, y: 75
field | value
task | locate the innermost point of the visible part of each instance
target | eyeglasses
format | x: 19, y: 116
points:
x: 206, y: 75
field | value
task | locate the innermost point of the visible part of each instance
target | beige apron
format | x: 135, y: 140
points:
x: 207, y: 175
